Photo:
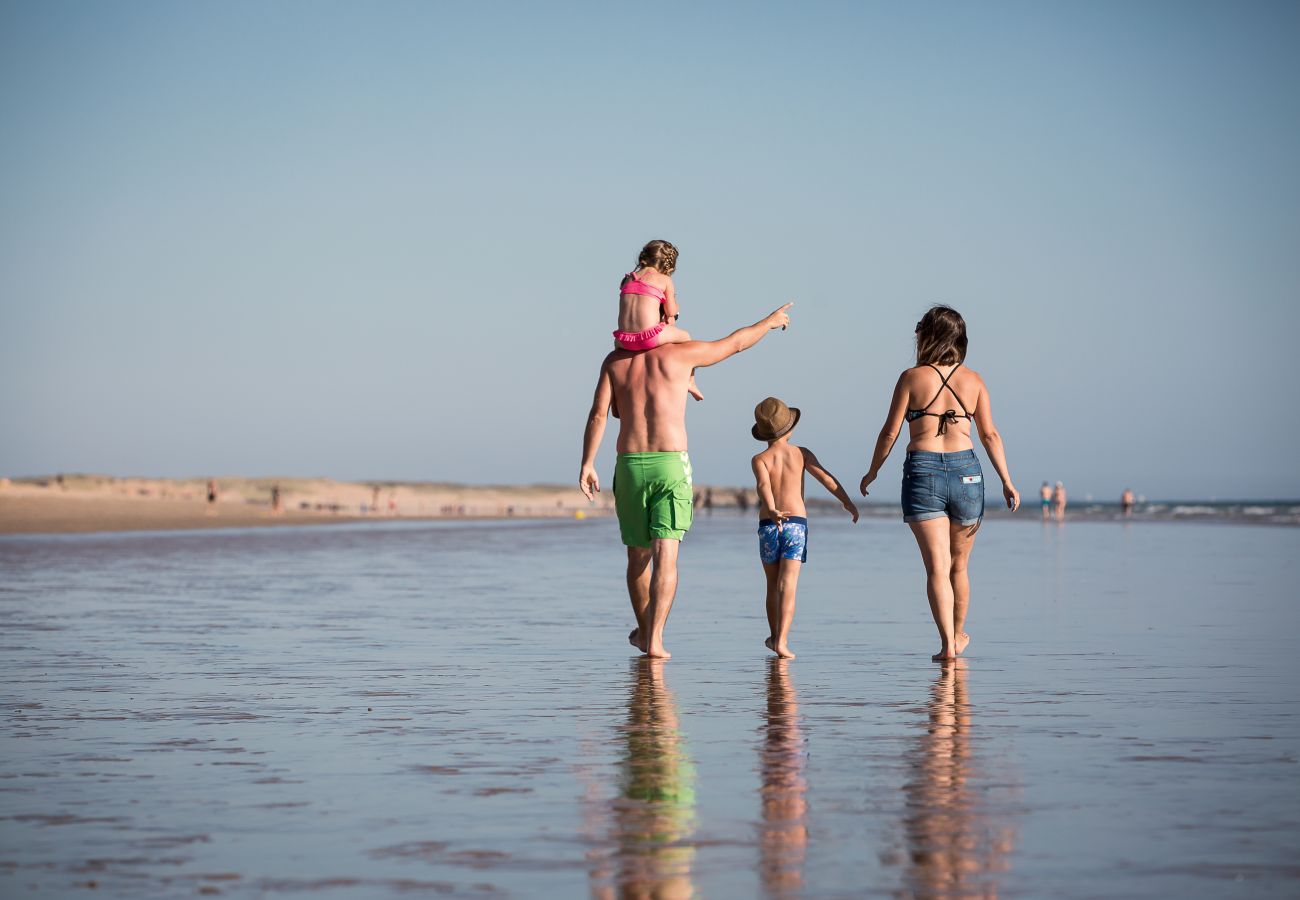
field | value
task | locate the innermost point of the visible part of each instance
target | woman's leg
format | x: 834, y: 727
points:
x: 932, y: 537
x: 961, y: 540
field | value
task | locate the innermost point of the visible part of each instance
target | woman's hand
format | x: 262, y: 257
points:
x: 866, y: 480
x: 1011, y: 495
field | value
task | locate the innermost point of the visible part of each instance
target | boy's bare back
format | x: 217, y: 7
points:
x: 784, y: 464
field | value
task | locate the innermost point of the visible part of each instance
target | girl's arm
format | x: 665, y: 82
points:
x: 767, y: 502
x: 992, y: 442
x: 814, y: 467
x: 888, y: 433
x: 671, y: 309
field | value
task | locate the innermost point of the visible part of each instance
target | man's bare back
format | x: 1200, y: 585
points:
x: 649, y: 389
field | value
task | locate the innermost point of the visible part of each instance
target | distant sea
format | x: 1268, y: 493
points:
x: 1249, y: 512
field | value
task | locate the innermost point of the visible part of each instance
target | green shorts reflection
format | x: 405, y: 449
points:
x: 652, y: 818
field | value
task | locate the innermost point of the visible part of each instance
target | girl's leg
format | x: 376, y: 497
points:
x: 787, y: 586
x: 933, y: 539
x: 674, y: 335
x: 962, y: 541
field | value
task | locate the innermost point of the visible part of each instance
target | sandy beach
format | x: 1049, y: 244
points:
x: 89, y: 503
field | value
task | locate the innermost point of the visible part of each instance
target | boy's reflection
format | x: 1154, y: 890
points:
x: 783, y: 840
x: 957, y: 846
x: 653, y: 816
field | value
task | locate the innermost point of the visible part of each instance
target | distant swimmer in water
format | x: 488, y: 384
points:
x: 1058, y: 501
x: 653, y: 480
x: 1045, y: 497
x: 1126, y: 502
x: 647, y: 305
x: 783, y: 519
x: 943, y: 484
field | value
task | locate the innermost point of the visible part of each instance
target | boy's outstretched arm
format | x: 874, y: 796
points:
x: 829, y: 481
x: 766, y: 499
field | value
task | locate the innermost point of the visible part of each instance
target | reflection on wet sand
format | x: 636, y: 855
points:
x: 783, y: 842
x: 957, y: 845
x: 653, y: 815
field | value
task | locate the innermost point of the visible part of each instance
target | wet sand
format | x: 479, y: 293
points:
x: 396, y: 710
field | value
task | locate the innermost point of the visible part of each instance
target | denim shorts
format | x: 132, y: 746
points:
x: 937, y: 485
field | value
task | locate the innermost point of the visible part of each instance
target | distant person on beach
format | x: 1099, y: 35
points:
x: 1126, y: 502
x: 1045, y: 497
x: 943, y: 484
x: 647, y: 305
x: 652, y: 475
x: 783, y: 519
x: 275, y: 500
x: 212, y: 496
x: 1058, y: 501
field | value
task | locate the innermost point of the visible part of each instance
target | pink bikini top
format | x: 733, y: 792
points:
x: 632, y: 285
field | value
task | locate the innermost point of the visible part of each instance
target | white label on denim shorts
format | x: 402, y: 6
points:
x: 972, y: 479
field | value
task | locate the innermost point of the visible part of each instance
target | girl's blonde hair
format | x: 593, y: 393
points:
x: 940, y: 337
x: 660, y: 254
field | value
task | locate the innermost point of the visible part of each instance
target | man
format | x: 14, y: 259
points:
x: 652, y: 477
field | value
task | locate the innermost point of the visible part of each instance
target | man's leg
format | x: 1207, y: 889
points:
x: 638, y: 591
x: 663, y: 588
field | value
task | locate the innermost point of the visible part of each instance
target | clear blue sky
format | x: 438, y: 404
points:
x: 384, y: 240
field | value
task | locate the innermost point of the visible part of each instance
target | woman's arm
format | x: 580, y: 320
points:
x: 992, y: 442
x: 888, y: 433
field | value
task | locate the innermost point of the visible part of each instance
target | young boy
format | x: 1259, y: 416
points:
x: 783, y: 528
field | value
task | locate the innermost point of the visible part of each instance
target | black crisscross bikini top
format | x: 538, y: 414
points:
x: 948, y: 416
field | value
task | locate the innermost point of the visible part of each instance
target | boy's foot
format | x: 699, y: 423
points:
x: 963, y: 641
x: 634, y: 638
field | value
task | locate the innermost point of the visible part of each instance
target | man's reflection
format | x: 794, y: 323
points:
x: 957, y: 846
x: 783, y: 841
x: 652, y: 818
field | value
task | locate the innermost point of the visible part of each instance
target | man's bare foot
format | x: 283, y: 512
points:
x: 780, y: 650
x: 963, y: 641
x: 944, y: 655
x: 658, y: 652
x: 634, y: 638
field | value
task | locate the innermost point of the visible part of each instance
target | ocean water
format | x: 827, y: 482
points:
x: 452, y: 709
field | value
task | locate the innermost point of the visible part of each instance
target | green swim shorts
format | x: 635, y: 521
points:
x: 652, y: 495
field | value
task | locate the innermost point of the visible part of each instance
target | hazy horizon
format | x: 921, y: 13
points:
x: 384, y: 242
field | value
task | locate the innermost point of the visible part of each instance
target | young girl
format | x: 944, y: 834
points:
x: 647, y: 304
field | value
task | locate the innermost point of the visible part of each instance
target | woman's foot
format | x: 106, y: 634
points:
x: 963, y: 641
x: 944, y: 655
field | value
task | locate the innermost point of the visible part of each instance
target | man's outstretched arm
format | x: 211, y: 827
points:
x: 588, y: 480
x: 706, y: 353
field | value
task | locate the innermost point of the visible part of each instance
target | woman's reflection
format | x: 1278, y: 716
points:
x: 783, y: 840
x: 653, y: 816
x: 957, y: 845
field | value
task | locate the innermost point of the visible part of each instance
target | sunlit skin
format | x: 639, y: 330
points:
x: 945, y: 546
x: 783, y: 843
x: 640, y: 312
x: 779, y: 475
x: 648, y: 389
x: 1059, y: 500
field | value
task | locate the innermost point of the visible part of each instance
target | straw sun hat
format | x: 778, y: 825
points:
x: 772, y: 418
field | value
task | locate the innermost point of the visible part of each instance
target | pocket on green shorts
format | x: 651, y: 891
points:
x: 683, y: 509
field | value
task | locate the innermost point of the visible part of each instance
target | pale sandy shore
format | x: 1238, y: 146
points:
x: 84, y: 503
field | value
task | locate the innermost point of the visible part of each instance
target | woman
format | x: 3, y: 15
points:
x: 943, y: 486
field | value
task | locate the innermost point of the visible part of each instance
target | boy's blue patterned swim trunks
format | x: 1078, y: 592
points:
x: 790, y: 541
